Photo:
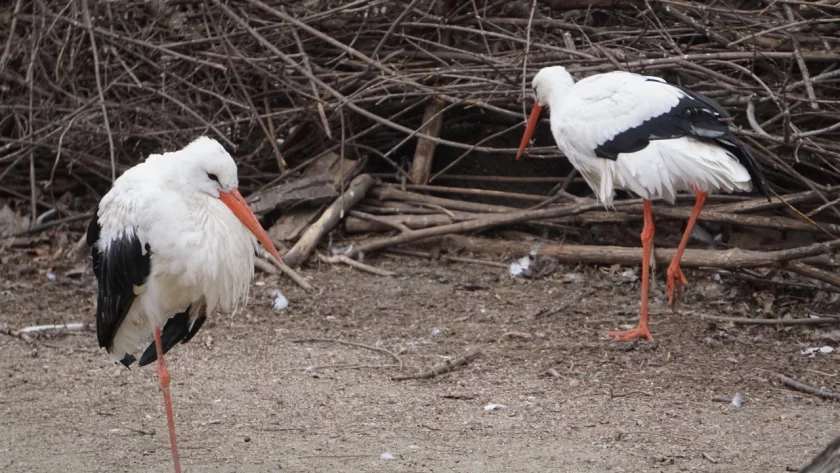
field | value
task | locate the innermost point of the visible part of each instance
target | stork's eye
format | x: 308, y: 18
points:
x: 213, y: 177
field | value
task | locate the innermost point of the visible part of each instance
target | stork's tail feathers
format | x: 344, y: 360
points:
x: 178, y: 329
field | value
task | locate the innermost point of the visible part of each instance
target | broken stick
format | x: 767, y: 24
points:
x: 483, y: 223
x: 421, y: 166
x: 802, y: 387
x: 336, y: 259
x: 329, y: 219
x: 351, y: 344
x: 692, y: 258
x: 24, y: 333
x: 779, y: 322
x: 293, y: 275
x: 359, y: 222
x: 447, y: 367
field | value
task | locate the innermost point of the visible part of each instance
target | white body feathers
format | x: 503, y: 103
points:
x: 587, y: 114
x: 201, y: 254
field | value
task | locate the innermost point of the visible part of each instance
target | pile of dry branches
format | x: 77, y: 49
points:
x: 413, y: 90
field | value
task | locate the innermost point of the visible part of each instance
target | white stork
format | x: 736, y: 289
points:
x: 173, y: 240
x: 643, y: 135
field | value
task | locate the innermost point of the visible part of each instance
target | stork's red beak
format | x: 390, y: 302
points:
x: 239, y: 207
x: 529, y: 130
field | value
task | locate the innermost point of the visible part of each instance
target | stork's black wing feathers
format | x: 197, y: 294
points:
x: 92, y: 237
x: 123, y: 265
x: 695, y: 115
x: 177, y: 329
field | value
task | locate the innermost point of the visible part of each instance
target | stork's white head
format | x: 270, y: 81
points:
x: 205, y: 167
x: 551, y: 84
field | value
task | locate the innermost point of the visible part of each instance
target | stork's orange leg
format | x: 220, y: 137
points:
x: 163, y: 376
x: 647, y: 245
x: 675, y: 276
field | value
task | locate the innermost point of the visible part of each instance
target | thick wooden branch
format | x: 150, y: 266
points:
x: 387, y: 222
x: 328, y: 220
x: 802, y: 387
x: 392, y: 193
x: 830, y: 277
x: 311, y: 190
x: 692, y: 258
x: 482, y: 223
x: 421, y: 166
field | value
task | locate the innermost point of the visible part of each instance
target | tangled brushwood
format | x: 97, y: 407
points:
x: 88, y: 88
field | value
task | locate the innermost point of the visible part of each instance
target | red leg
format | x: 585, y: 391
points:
x: 163, y: 376
x: 675, y: 275
x: 647, y: 243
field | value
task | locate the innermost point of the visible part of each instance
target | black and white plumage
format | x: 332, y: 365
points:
x: 641, y: 134
x: 165, y: 241
x: 122, y: 266
x: 638, y: 133
x: 172, y: 242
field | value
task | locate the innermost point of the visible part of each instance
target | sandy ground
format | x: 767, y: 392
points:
x: 249, y: 396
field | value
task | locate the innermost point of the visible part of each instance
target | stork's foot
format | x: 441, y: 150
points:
x: 630, y: 335
x: 675, y: 279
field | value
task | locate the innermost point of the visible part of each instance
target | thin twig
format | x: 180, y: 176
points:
x: 342, y: 259
x: 447, y: 367
x: 89, y: 26
x: 291, y: 273
x: 11, y: 33
x: 47, y: 226
x: 525, y: 59
x: 457, y: 259
x: 352, y: 344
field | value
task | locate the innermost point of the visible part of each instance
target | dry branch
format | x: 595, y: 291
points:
x: 163, y: 82
x: 805, y: 269
x: 366, y: 224
x: 692, y: 258
x: 274, y: 79
x: 802, y: 387
x: 447, y: 367
x: 342, y: 259
x: 329, y: 219
x: 776, y: 322
x: 26, y: 332
x: 457, y: 259
x: 421, y: 165
x: 314, y: 190
x: 288, y: 271
x: 352, y: 344
x: 474, y: 225
x: 392, y: 193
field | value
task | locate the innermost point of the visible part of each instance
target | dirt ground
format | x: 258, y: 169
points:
x: 250, y: 397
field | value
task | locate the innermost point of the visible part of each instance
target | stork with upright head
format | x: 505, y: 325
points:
x: 172, y: 241
x: 641, y: 134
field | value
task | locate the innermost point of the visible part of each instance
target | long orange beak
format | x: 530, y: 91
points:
x: 529, y: 130
x: 239, y: 207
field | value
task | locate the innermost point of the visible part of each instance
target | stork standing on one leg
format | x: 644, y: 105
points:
x: 641, y: 134
x: 173, y: 240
